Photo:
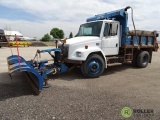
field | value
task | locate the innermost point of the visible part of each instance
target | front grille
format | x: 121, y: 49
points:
x: 64, y: 49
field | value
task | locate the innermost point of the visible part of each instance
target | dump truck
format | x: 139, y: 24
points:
x: 104, y: 39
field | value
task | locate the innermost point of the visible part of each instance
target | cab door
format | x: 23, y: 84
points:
x: 110, y: 39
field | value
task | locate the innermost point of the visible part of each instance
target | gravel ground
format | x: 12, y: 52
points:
x: 72, y: 96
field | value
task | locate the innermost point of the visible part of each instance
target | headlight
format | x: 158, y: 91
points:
x: 78, y: 54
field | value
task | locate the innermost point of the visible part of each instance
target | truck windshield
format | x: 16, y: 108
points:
x: 90, y: 29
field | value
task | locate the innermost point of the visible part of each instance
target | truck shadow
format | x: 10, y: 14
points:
x: 117, y: 68
x: 20, y: 87
x: 69, y: 75
x: 77, y: 74
x: 13, y: 88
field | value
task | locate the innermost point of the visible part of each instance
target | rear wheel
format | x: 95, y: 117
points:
x: 94, y: 66
x: 143, y: 59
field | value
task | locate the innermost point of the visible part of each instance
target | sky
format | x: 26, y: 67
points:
x: 34, y: 18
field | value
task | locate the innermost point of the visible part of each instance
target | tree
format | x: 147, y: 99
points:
x: 71, y: 35
x: 46, y: 38
x: 57, y: 33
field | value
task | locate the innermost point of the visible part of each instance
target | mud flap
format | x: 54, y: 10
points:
x: 19, y: 64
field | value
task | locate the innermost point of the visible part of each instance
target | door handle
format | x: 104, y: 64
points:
x: 116, y: 44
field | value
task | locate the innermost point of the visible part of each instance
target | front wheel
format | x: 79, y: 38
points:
x: 94, y: 66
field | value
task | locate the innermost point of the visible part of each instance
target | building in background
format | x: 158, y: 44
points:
x: 10, y: 35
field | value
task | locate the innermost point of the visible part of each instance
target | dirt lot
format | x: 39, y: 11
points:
x: 72, y: 96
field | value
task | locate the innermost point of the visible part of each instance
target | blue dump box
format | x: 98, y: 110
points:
x: 141, y: 38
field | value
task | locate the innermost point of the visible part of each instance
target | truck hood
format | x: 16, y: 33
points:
x: 83, y: 39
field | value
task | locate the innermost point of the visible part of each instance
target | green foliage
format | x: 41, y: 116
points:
x: 57, y: 33
x: 46, y: 38
x: 71, y: 35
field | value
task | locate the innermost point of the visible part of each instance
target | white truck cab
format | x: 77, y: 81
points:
x: 98, y: 36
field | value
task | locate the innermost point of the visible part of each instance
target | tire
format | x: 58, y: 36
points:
x: 143, y: 59
x: 93, y: 67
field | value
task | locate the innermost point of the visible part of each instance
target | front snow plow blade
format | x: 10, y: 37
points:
x: 37, y: 70
x: 19, y: 64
